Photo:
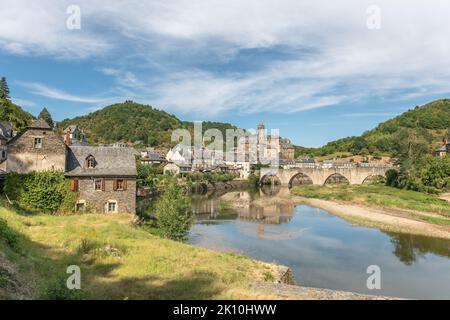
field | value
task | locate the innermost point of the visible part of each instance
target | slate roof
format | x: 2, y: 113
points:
x: 39, y: 124
x: 70, y: 128
x: 109, y: 161
x: 6, y: 130
x: 154, y: 156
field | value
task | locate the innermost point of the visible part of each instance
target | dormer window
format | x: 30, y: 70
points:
x: 90, y: 162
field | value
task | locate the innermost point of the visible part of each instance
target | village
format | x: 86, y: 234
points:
x: 105, y: 175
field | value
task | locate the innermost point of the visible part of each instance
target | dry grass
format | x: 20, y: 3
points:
x: 119, y: 261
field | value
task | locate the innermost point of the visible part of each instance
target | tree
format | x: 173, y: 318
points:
x: 173, y: 214
x: 4, y: 89
x: 46, y: 116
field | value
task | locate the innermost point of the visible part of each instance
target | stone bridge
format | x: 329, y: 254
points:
x: 320, y: 175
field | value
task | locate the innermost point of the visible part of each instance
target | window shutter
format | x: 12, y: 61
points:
x: 103, y: 184
x: 115, y: 185
x: 73, y: 185
x: 124, y: 184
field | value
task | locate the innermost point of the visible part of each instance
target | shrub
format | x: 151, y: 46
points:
x: 47, y: 191
x: 253, y: 180
x: 8, y: 235
x: 173, y: 214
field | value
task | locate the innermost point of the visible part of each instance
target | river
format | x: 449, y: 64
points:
x: 322, y: 250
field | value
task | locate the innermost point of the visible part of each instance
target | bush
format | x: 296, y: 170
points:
x: 253, y: 180
x: 173, y: 214
x: 8, y: 235
x: 47, y: 191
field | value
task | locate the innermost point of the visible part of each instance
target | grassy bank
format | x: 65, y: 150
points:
x: 117, y: 261
x: 436, y: 210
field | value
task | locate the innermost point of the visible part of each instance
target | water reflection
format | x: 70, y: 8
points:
x: 410, y: 248
x: 323, y: 250
x: 215, y: 206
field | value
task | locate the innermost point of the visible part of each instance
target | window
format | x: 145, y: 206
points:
x: 73, y: 185
x: 90, y: 162
x: 119, y: 185
x: 38, y: 143
x: 112, y: 206
x: 98, y: 185
x: 80, y: 206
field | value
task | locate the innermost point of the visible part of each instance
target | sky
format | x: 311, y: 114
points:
x: 315, y: 70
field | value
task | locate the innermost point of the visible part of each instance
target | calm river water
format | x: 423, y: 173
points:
x: 323, y: 250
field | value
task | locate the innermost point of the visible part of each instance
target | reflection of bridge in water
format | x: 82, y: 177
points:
x: 209, y: 208
x: 355, y: 174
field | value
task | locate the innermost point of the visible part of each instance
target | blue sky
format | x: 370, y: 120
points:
x: 313, y: 70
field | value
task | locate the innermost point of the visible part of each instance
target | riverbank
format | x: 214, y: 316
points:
x: 117, y: 261
x: 354, y: 208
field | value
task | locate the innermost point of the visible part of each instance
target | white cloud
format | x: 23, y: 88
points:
x: 332, y: 57
x: 52, y: 93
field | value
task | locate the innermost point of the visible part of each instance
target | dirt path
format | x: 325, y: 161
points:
x: 445, y: 196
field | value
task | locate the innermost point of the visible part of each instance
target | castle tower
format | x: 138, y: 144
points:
x: 261, y: 133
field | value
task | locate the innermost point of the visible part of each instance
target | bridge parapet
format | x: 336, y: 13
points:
x: 319, y: 174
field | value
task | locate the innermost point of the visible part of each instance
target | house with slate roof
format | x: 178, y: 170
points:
x: 6, y: 134
x: 37, y: 148
x: 444, y: 149
x: 104, y: 177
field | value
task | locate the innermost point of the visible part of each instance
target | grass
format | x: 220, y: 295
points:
x: 119, y: 261
x: 381, y: 196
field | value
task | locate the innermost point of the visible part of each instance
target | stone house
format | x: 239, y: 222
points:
x: 37, y: 148
x: 177, y: 168
x: 152, y: 158
x: 105, y: 178
x: 444, y: 149
x: 6, y: 134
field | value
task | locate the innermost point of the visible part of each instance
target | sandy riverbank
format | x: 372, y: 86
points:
x: 387, y: 219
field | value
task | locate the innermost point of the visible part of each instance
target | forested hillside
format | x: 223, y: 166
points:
x: 133, y: 122
x: 425, y: 125
x: 15, y: 114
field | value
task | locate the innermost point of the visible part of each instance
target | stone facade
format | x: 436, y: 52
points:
x: 36, y: 149
x: 104, y: 177
x: 98, y: 200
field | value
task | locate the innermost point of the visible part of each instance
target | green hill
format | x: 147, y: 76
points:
x: 131, y: 122
x: 428, y: 123
x: 14, y: 114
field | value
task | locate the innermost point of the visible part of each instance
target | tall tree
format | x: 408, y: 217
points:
x: 4, y: 89
x: 45, y: 115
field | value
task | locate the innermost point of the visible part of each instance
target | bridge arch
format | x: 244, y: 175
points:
x: 270, y: 179
x: 336, y: 178
x: 374, y: 178
x: 300, y: 179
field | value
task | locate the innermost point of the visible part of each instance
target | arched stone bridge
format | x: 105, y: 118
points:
x: 320, y: 175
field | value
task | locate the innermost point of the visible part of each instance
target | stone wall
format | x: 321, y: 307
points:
x: 126, y: 199
x: 319, y: 176
x: 23, y: 157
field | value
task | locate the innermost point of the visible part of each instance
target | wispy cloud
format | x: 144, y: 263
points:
x: 52, y: 93
x: 188, y: 56
x: 368, y: 114
x: 24, y: 102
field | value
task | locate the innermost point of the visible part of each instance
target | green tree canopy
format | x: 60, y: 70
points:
x: 4, y: 89
x: 173, y: 214
x: 46, y: 116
